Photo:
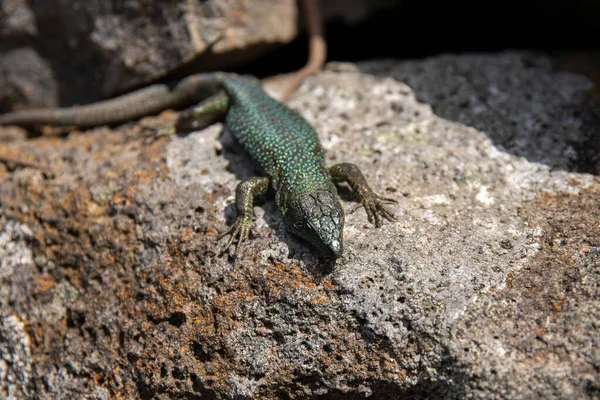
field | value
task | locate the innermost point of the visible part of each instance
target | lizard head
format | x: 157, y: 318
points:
x: 318, y: 218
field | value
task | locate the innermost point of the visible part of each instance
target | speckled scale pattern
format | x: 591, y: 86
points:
x: 287, y: 150
x: 279, y: 139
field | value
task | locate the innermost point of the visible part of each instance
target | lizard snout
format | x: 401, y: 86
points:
x: 318, y: 218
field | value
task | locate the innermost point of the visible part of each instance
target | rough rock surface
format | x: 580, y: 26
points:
x: 506, y: 96
x: 486, y: 287
x: 97, y: 49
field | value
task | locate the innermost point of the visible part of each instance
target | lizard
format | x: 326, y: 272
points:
x: 283, y: 145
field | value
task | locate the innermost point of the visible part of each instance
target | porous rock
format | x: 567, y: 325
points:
x: 486, y: 286
x: 96, y: 50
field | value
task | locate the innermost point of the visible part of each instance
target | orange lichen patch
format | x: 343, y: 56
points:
x: 328, y: 285
x: 391, y: 367
x: 235, y: 295
x: 281, y: 273
x: 540, y: 331
x: 212, y: 230
x: 43, y: 284
x: 72, y: 221
x: 163, y: 305
x: 546, y: 197
x: 570, y: 231
x: 145, y: 177
x: 203, y: 340
x: 284, y: 279
x: 187, y: 235
x: 573, y: 229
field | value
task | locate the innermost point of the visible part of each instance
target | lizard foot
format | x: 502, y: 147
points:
x: 375, y: 208
x: 240, y: 229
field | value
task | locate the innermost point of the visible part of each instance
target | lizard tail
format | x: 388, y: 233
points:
x: 146, y: 101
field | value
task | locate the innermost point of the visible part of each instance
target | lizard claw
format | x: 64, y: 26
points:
x: 375, y: 208
x: 240, y: 229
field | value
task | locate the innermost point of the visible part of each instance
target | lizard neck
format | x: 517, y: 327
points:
x: 289, y: 189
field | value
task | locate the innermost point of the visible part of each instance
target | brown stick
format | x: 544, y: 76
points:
x: 318, y: 48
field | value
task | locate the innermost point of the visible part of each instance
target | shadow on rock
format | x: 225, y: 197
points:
x: 520, y: 100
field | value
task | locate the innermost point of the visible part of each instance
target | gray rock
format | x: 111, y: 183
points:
x: 27, y: 80
x: 97, y: 50
x: 486, y: 287
x: 515, y: 99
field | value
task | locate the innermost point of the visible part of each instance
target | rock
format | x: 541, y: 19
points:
x: 485, y: 287
x: 99, y: 50
x: 515, y: 100
x: 29, y: 81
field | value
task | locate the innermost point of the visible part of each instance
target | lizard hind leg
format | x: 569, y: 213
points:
x: 203, y: 114
x: 372, y: 202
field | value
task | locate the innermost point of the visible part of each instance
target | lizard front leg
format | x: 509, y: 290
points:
x: 201, y: 115
x: 244, y: 200
x: 372, y: 202
x: 205, y: 113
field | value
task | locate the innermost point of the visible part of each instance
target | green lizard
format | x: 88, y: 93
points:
x: 279, y: 140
